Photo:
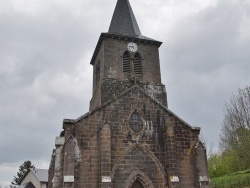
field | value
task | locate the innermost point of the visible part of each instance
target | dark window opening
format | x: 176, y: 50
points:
x: 135, y: 122
x: 126, y: 62
x: 137, y: 184
x: 132, y: 64
x: 137, y: 63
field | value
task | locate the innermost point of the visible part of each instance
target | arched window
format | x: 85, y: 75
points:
x: 137, y: 63
x: 69, y: 156
x: 126, y: 62
x: 137, y: 184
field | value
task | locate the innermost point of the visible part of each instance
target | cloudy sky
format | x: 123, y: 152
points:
x: 45, y: 75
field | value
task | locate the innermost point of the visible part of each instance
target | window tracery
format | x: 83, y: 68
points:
x: 135, y: 122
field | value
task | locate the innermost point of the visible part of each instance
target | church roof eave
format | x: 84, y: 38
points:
x: 134, y: 38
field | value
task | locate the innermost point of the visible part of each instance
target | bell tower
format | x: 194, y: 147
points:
x: 129, y: 138
x: 123, y: 57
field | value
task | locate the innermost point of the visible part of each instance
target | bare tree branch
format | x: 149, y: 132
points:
x: 235, y: 133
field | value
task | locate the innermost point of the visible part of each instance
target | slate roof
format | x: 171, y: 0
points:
x: 123, y: 26
x: 41, y: 174
x: 123, y: 20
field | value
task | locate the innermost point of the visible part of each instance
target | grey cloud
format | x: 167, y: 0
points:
x: 205, y: 60
x: 45, y: 74
x: 40, y: 57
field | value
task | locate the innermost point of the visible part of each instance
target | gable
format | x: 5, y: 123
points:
x: 141, y: 96
x: 36, y: 176
x: 30, y: 177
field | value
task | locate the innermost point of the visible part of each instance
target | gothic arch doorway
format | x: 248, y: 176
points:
x: 137, y: 184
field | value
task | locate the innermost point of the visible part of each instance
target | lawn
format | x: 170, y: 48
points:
x: 236, y: 180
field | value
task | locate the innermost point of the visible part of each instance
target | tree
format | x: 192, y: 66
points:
x: 235, y: 136
x: 23, y: 169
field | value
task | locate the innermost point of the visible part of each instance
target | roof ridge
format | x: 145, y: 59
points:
x: 134, y: 22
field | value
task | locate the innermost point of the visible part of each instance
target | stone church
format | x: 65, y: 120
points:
x: 129, y: 138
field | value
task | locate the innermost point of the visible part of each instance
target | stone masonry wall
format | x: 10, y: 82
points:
x: 51, y: 168
x: 145, y: 154
x: 111, y: 88
x: 113, y: 60
x: 110, y: 58
x: 201, y: 158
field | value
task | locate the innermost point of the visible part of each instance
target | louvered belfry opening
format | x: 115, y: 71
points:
x: 137, y: 63
x: 137, y: 184
x: 126, y: 62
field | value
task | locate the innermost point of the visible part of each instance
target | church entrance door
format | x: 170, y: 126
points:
x: 137, y: 184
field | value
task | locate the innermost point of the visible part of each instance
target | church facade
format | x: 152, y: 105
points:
x: 129, y: 138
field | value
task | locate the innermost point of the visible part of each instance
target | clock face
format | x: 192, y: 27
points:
x: 132, y: 47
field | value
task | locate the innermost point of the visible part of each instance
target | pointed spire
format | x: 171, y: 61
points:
x: 123, y: 20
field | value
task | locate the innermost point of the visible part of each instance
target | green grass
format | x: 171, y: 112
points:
x: 239, y: 179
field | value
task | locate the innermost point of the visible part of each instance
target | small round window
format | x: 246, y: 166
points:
x: 135, y: 122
